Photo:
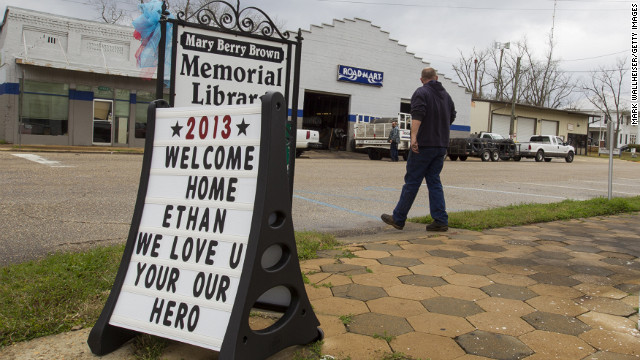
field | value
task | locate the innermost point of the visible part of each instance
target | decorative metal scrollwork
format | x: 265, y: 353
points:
x: 250, y: 20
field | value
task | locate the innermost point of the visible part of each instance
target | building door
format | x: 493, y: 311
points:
x: 549, y: 127
x: 526, y: 128
x: 102, y: 122
x: 500, y: 124
x: 329, y: 114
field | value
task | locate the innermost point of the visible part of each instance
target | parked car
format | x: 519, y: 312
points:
x: 307, y: 139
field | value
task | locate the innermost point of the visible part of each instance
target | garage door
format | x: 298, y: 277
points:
x: 549, y: 127
x: 526, y: 128
x: 500, y: 125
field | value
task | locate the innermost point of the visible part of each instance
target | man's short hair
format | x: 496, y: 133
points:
x: 429, y: 73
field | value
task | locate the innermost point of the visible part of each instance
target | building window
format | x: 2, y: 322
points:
x: 632, y: 139
x: 121, y: 121
x: 143, y: 98
x: 45, y: 108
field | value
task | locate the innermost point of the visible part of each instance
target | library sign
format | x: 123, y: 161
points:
x: 212, y: 206
x: 226, y: 70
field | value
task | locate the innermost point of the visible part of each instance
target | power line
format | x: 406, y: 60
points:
x: 599, y: 56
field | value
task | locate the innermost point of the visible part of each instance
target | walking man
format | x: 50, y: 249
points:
x: 432, y: 113
x: 394, y: 139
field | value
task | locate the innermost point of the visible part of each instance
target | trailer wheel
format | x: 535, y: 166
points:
x: 463, y: 158
x: 495, y: 155
x: 374, y: 154
x: 485, y: 155
x: 539, y: 156
x: 453, y: 157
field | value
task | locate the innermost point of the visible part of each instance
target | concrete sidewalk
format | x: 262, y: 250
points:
x: 561, y: 290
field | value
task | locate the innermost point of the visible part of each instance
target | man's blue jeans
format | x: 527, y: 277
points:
x: 426, y: 165
x: 394, y: 151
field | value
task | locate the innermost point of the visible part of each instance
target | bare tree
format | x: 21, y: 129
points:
x: 472, y: 70
x: 540, y: 82
x: 109, y: 11
x: 604, y: 89
x: 545, y: 84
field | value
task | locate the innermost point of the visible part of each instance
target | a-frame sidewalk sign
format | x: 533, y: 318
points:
x: 212, y: 234
x: 211, y: 237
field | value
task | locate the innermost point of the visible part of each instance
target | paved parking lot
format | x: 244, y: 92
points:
x: 66, y: 201
x: 334, y: 194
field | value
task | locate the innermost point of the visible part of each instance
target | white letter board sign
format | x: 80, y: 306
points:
x: 211, y: 236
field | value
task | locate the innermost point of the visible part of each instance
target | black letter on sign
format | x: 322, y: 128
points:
x: 248, y: 157
x: 167, y: 216
x: 157, y: 310
x: 171, y: 156
x: 194, y: 315
x: 168, y: 313
x: 234, y: 263
x: 224, y: 286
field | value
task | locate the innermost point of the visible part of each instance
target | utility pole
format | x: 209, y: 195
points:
x: 513, y: 100
x: 475, y: 77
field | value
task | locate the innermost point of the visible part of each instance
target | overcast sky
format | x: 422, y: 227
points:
x: 587, y: 33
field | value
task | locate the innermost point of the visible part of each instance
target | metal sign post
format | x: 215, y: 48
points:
x: 610, y: 188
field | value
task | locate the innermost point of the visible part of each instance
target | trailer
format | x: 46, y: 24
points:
x: 486, y: 146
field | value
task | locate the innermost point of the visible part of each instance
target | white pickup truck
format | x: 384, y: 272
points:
x: 546, y: 147
x: 307, y: 139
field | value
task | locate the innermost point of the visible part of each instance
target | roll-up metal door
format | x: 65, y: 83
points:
x: 500, y: 125
x: 526, y: 128
x: 549, y: 127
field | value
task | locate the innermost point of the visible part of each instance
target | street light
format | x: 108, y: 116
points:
x: 501, y: 46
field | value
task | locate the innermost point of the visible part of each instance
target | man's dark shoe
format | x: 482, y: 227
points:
x: 388, y: 219
x: 436, y: 226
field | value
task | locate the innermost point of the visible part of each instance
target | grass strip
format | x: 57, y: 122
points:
x: 524, y: 214
x: 55, y: 294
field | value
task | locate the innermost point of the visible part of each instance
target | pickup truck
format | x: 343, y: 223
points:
x: 546, y: 147
x: 307, y: 139
x: 371, y: 134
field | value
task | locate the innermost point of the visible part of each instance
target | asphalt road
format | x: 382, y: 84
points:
x: 70, y: 201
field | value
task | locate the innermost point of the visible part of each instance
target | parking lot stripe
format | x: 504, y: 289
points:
x: 40, y: 160
x: 578, y: 188
x: 503, y: 192
x: 336, y: 207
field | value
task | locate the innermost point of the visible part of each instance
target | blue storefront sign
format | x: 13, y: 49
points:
x: 360, y: 76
